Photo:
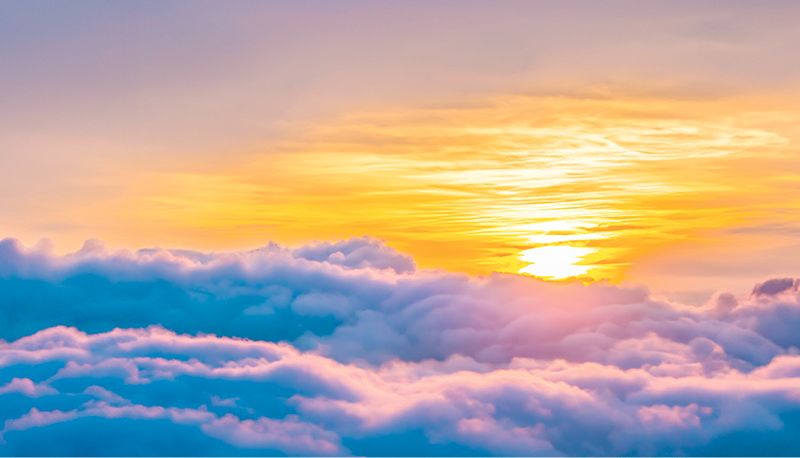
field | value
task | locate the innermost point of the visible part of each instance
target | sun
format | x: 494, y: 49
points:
x: 556, y: 262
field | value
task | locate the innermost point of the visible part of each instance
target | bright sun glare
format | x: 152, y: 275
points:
x: 556, y: 262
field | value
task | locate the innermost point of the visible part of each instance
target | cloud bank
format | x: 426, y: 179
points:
x: 346, y: 348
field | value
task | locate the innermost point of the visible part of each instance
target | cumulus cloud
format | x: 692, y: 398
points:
x: 358, y: 253
x: 289, y: 436
x: 305, y: 351
x: 27, y: 387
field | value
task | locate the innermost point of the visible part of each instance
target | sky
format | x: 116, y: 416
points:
x: 423, y: 228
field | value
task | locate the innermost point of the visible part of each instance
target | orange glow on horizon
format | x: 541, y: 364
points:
x: 582, y: 185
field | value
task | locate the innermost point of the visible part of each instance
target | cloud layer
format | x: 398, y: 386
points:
x: 347, y: 348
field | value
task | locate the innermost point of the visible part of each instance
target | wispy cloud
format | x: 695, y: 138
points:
x: 470, y: 188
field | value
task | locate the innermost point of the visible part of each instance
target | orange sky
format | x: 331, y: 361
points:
x: 644, y: 141
x: 555, y: 186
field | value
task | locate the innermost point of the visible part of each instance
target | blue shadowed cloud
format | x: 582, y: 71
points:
x: 346, y: 348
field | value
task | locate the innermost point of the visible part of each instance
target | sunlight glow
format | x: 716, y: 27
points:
x: 556, y: 262
x: 470, y: 188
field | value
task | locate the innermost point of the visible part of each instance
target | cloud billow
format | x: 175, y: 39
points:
x: 346, y: 348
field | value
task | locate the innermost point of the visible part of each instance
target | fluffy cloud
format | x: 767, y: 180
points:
x: 339, y: 348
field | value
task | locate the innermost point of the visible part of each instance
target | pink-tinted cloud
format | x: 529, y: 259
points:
x: 529, y: 406
x: 382, y: 358
x: 289, y: 436
x: 27, y: 387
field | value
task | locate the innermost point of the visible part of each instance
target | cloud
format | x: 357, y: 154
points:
x: 527, y: 406
x: 27, y: 387
x: 291, y: 351
x: 358, y: 253
x: 776, y: 286
x: 289, y: 436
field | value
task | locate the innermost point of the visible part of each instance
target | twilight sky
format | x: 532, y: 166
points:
x: 387, y: 158
x: 457, y: 131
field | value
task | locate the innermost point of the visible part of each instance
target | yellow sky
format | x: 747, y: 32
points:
x: 654, y: 142
x: 550, y: 186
